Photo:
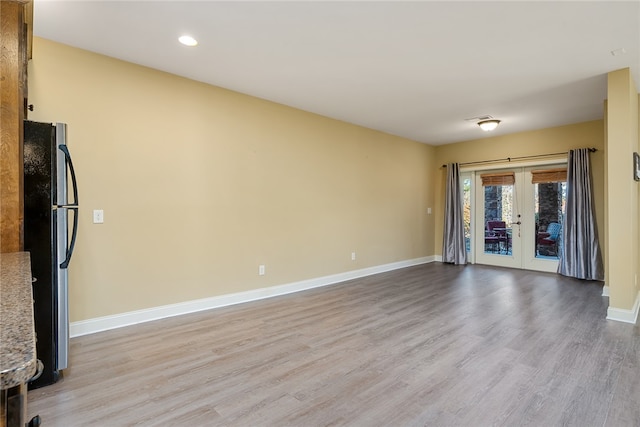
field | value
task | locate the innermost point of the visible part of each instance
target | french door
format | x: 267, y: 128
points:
x: 515, y: 216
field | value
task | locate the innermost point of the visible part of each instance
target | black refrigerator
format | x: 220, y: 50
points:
x: 50, y: 228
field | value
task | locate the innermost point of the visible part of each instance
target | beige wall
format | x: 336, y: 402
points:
x: 622, y: 190
x: 544, y: 141
x: 200, y: 185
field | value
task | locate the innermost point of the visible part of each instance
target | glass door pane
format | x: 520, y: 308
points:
x: 496, y: 216
x: 550, y: 199
x: 544, y: 206
x: 466, y: 192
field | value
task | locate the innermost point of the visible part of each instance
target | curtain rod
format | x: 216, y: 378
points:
x: 508, y: 159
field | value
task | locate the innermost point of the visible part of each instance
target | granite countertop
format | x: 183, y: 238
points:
x: 17, y: 335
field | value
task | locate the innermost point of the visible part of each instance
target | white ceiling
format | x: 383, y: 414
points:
x: 414, y: 69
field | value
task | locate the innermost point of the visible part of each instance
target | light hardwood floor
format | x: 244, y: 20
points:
x: 433, y: 345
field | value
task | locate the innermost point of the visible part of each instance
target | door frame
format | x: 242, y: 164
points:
x: 525, y: 194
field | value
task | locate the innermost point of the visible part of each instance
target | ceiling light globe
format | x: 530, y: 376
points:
x: 488, y: 125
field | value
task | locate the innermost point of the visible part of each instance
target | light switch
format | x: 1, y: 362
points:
x: 98, y: 216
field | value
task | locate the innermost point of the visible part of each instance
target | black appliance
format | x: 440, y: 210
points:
x: 48, y: 210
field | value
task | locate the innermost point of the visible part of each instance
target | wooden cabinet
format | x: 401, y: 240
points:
x: 15, y: 28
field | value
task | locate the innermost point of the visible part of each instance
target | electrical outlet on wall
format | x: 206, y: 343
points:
x: 98, y: 216
x: 353, y: 256
x: 261, y: 270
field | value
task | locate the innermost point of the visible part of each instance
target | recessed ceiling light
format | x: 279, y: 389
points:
x: 188, y: 41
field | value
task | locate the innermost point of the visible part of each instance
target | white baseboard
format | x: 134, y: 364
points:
x: 605, y: 291
x: 623, y: 315
x: 437, y: 258
x: 90, y: 326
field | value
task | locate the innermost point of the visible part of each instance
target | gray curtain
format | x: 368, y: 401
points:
x: 580, y: 255
x: 453, y: 244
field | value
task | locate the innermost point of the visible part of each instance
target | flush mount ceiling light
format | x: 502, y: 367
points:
x: 488, y: 125
x: 188, y: 41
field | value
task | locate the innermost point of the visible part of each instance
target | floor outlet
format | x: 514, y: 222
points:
x: 261, y: 270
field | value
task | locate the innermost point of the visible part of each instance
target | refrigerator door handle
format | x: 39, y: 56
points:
x: 67, y: 158
x: 65, y: 263
x: 71, y: 206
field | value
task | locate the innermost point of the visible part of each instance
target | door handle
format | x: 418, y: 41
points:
x: 65, y: 263
x: 67, y: 158
x: 518, y: 223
